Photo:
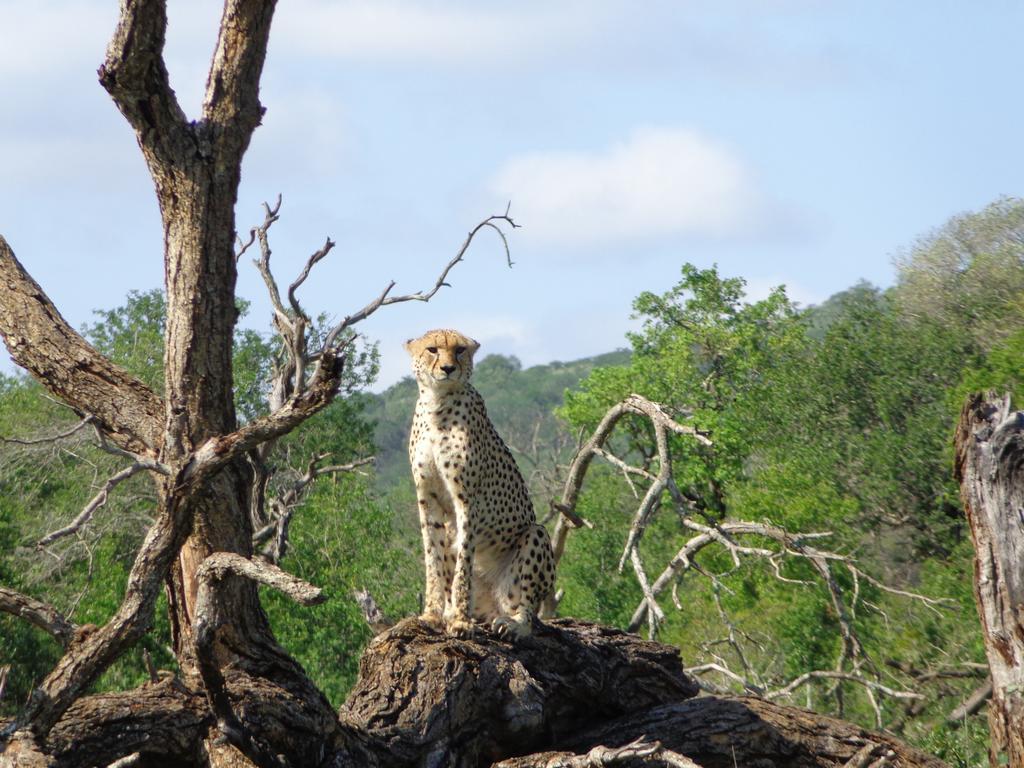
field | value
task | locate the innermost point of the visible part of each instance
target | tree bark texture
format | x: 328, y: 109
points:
x: 723, y: 732
x: 990, y: 468
x: 426, y: 699
x: 438, y: 700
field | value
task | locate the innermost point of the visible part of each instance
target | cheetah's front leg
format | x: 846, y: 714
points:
x: 457, y: 617
x: 434, y: 540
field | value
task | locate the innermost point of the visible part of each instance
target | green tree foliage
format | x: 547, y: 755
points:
x: 968, y: 275
x: 836, y: 418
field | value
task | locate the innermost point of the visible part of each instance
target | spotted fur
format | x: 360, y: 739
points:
x: 486, y: 556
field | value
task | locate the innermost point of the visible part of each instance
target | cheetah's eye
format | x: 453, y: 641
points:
x: 459, y: 350
x: 432, y: 350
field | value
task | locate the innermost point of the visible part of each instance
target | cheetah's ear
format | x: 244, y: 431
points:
x: 473, y: 345
x: 408, y: 346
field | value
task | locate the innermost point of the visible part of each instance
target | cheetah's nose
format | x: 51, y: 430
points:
x: 448, y: 369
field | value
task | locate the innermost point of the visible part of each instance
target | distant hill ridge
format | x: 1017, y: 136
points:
x: 520, y: 402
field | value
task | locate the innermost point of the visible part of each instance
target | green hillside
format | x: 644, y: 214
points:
x: 521, y: 402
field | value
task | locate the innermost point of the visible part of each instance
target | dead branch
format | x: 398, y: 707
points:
x: 741, y: 540
x: 638, y: 752
x: 39, y: 614
x: 98, y: 501
x: 825, y: 674
x: 384, y: 299
x: 231, y: 105
x: 89, y: 419
x: 372, y: 613
x: 84, y: 661
x: 634, y: 404
x: 135, y: 76
x: 294, y: 397
x: 971, y: 705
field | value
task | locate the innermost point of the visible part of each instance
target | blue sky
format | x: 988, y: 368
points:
x: 795, y: 142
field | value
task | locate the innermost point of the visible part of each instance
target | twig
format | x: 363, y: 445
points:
x: 384, y: 299
x: 89, y: 419
x: 95, y: 503
x: 826, y: 674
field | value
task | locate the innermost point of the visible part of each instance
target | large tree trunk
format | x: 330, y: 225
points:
x: 204, y: 493
x: 990, y: 468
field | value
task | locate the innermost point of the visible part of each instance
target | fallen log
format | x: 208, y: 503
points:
x: 723, y: 732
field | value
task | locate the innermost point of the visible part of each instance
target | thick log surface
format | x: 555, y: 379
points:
x: 723, y: 732
x: 429, y: 699
x: 163, y: 722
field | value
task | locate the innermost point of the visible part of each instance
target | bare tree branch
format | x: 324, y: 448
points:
x: 384, y: 299
x: 135, y: 76
x: 634, y: 404
x: 740, y: 540
x: 231, y: 105
x: 89, y: 419
x: 971, y: 705
x: 84, y: 661
x: 38, y: 614
x: 98, y: 501
x: 828, y: 674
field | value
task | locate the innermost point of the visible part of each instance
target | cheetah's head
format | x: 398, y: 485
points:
x: 442, y: 359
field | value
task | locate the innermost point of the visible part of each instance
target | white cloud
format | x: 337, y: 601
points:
x: 660, y: 181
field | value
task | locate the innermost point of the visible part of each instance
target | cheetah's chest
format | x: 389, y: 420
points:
x: 439, y: 446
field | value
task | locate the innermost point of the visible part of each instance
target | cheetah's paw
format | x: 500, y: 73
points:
x: 461, y: 628
x: 509, y: 628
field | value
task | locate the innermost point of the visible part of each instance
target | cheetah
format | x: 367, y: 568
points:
x: 487, y: 558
